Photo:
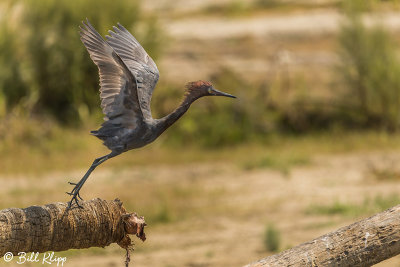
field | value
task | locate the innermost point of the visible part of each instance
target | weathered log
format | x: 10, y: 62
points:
x: 53, y: 227
x: 363, y: 243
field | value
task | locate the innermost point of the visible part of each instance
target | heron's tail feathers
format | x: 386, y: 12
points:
x: 94, y: 132
x: 107, y: 130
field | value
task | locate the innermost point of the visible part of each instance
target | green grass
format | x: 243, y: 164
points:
x: 282, y: 163
x: 29, y: 146
x: 369, y: 206
x: 272, y: 238
x: 336, y: 208
x: 320, y: 225
x: 161, y: 215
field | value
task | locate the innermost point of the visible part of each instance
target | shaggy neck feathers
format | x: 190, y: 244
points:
x: 194, y: 90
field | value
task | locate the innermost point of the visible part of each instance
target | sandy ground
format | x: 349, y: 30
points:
x: 235, y: 205
x: 269, y: 26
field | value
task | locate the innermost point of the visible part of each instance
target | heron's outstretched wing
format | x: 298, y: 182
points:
x: 138, y: 62
x: 118, y: 92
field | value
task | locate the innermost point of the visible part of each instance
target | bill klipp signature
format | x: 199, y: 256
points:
x: 45, y: 258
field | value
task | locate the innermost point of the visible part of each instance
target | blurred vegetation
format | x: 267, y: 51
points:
x: 47, y: 74
x: 232, y: 121
x: 43, y: 65
x: 236, y: 8
x: 357, y: 6
x: 370, y: 70
x: 370, y: 205
x: 365, y: 85
x: 277, y: 161
x: 272, y: 238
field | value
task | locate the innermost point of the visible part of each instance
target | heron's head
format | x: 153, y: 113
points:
x: 199, y: 89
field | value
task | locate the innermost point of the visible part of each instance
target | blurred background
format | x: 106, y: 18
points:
x: 311, y: 144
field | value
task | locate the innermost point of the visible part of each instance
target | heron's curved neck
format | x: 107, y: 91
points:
x: 168, y: 120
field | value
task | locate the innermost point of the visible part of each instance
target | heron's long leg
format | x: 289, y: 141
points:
x: 75, y: 191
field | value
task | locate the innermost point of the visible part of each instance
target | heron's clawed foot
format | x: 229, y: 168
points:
x: 75, y: 195
x: 74, y: 198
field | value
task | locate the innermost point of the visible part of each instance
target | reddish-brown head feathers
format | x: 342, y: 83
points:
x: 197, y: 84
x: 197, y: 88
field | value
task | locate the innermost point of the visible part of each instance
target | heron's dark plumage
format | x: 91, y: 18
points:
x: 138, y: 62
x: 128, y: 76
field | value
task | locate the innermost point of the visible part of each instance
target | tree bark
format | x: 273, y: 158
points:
x: 54, y: 228
x: 363, y: 243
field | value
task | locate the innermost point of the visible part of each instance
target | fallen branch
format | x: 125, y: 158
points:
x: 363, y: 243
x: 54, y: 228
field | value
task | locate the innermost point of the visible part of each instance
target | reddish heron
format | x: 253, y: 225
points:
x: 127, y: 79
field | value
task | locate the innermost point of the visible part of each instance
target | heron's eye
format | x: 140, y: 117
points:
x: 210, y: 90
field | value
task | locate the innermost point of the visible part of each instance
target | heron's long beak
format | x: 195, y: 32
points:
x: 219, y: 93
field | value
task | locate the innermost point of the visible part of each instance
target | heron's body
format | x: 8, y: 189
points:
x: 120, y: 140
x: 127, y: 80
